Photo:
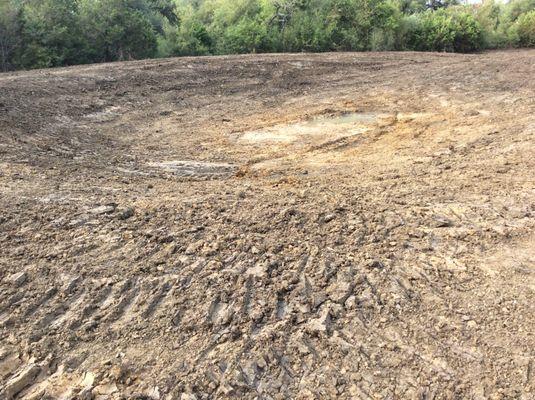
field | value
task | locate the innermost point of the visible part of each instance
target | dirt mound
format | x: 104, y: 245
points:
x: 275, y: 226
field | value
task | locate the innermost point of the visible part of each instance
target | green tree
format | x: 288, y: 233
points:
x: 50, y: 34
x: 522, y: 33
x: 189, y: 38
x: 10, y: 33
x: 118, y: 30
x: 515, y: 8
x: 452, y: 30
x: 489, y: 15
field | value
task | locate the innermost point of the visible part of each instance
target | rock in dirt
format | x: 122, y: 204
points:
x: 18, y: 383
x: 18, y: 278
x: 105, y: 209
x: 329, y: 217
x: 440, y: 221
x: 71, y: 284
x: 125, y: 213
x: 105, y: 389
x: 188, y: 396
x: 321, y: 324
x: 85, y: 394
x: 341, y: 291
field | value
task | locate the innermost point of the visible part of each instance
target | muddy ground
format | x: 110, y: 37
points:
x: 353, y: 226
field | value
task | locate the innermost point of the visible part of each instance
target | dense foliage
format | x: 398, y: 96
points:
x: 47, y: 33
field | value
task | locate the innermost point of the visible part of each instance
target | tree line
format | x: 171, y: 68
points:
x: 49, y: 33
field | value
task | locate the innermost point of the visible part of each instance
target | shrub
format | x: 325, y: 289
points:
x: 191, y: 38
x: 522, y: 32
x: 246, y: 36
x: 118, y: 30
x: 10, y: 33
x: 515, y: 8
x: 50, y: 34
x: 309, y: 32
x: 489, y: 16
x: 443, y: 30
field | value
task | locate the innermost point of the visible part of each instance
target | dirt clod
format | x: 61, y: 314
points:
x: 18, y: 278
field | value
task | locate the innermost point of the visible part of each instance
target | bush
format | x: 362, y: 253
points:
x: 309, y: 32
x: 443, y: 30
x: 489, y: 16
x: 118, y: 30
x: 50, y: 34
x: 522, y: 33
x: 190, y: 39
x: 246, y: 36
x: 387, y: 27
x: 10, y: 33
x: 515, y: 8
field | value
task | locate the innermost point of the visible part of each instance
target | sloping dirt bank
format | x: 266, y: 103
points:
x: 354, y: 226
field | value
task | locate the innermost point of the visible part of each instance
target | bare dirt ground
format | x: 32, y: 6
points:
x: 353, y: 226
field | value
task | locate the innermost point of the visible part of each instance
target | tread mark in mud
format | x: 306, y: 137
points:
x: 88, y: 310
x: 50, y: 319
x: 9, y: 365
x: 128, y: 292
x: 302, y: 264
x: 307, y: 290
x: 307, y: 342
x: 156, y: 300
x: 14, y: 301
x: 280, y: 310
x: 108, y: 299
x: 247, y: 296
x: 66, y: 318
x: 22, y: 380
x: 41, y: 302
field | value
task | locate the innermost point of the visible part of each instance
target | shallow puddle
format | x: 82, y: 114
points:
x: 322, y: 127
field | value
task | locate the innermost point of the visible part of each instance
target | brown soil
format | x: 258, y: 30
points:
x: 354, y: 226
